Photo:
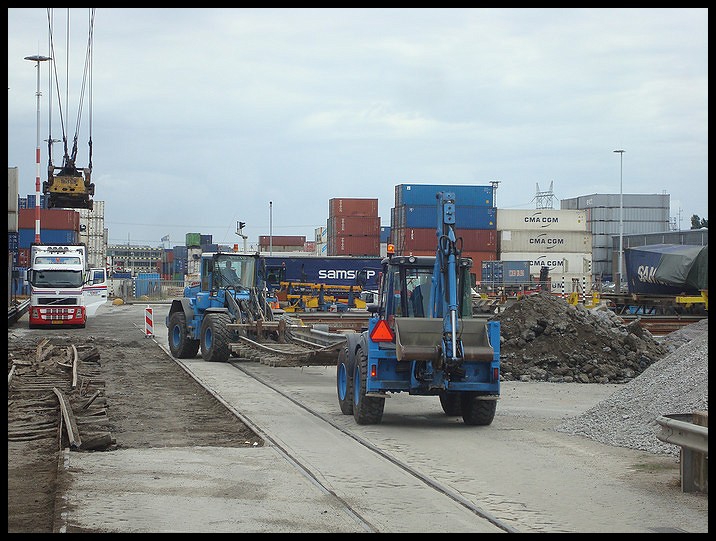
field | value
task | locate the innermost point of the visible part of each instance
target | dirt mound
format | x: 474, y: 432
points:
x: 544, y: 338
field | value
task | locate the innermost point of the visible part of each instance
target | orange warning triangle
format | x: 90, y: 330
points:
x: 381, y: 332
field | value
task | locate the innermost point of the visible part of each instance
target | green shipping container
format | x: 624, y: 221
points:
x: 193, y: 240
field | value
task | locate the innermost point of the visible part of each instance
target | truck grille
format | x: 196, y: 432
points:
x: 57, y: 313
x: 67, y: 301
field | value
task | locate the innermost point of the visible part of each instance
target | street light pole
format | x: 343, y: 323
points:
x: 270, y: 227
x: 37, y: 59
x: 618, y: 287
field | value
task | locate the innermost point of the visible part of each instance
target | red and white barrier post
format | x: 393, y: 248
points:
x: 148, y: 322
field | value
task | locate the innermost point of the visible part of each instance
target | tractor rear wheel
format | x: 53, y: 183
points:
x: 344, y: 381
x: 477, y: 412
x: 215, y: 337
x: 181, y: 346
x: 367, y: 410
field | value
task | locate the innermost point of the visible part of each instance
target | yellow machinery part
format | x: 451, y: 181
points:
x: 689, y: 300
x: 298, y: 303
x: 67, y: 184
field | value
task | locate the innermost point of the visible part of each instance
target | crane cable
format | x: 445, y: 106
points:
x: 69, y: 159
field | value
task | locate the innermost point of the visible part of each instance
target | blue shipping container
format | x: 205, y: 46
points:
x: 424, y: 194
x: 47, y: 236
x: 506, y: 272
x: 29, y: 201
x: 466, y: 217
x: 180, y: 252
x: 667, y: 269
x: 385, y: 234
x: 147, y: 283
x: 12, y: 238
x: 329, y: 270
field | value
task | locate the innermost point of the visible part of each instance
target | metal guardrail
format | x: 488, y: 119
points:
x: 682, y: 430
x: 679, y: 430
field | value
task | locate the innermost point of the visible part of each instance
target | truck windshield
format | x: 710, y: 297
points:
x: 56, y: 278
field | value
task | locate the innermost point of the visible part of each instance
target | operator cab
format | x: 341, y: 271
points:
x: 407, y: 284
x: 224, y: 270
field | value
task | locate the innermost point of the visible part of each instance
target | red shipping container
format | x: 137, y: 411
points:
x: 282, y: 240
x: 352, y: 207
x: 345, y: 245
x: 478, y: 258
x: 68, y: 220
x: 479, y: 240
x: 358, y: 226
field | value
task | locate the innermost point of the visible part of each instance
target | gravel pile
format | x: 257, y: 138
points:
x: 676, y: 384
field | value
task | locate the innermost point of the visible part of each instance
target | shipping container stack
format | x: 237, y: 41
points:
x: 555, y: 239
x: 193, y: 256
x: 414, y: 221
x: 57, y: 226
x: 16, y: 275
x: 353, y: 227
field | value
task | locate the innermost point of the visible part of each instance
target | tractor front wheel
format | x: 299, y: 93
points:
x: 181, y: 346
x: 215, y: 337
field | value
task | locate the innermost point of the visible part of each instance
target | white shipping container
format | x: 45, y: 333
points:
x: 321, y: 234
x: 561, y: 262
x: 96, y: 249
x: 570, y: 282
x: 193, y: 260
x: 541, y: 219
x: 542, y: 240
x: 91, y: 225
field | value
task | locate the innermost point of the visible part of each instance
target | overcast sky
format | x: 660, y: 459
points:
x: 205, y: 117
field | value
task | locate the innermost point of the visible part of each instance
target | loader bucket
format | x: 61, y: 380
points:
x: 420, y: 339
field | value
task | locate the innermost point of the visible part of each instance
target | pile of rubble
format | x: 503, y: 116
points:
x: 544, y: 338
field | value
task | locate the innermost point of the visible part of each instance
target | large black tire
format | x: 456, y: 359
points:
x: 215, y: 337
x: 477, y: 412
x: 451, y: 403
x: 181, y: 346
x: 344, y: 381
x: 367, y: 410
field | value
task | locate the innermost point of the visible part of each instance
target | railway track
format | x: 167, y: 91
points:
x: 662, y: 325
x: 440, y: 490
x: 54, y: 403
